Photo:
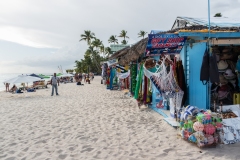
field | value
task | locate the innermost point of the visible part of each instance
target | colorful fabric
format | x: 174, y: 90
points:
x: 133, y: 72
x: 139, y: 82
x: 145, y: 89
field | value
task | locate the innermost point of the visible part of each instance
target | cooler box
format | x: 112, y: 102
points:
x: 236, y: 98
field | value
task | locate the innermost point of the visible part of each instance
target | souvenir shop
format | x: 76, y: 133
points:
x: 194, y: 83
x: 214, y: 81
x: 192, y: 72
x: 115, y: 76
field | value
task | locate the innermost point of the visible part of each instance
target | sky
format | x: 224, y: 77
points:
x: 37, y: 36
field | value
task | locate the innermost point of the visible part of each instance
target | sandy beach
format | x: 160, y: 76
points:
x: 90, y: 122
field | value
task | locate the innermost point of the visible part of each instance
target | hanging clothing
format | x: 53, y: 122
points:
x: 133, y: 74
x: 149, y: 93
x: 181, y: 80
x: 204, y: 73
x: 139, y: 82
x: 145, y: 89
x: 213, y: 69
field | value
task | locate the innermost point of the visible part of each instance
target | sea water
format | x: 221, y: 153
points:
x: 6, y: 76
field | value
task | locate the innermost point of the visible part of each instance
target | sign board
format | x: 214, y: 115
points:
x: 164, y: 44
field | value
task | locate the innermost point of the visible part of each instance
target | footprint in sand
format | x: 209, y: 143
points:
x: 62, y: 156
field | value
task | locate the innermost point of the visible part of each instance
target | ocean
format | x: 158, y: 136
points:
x: 6, y: 76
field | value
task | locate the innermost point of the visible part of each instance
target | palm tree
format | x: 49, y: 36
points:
x: 96, y: 43
x: 94, y: 55
x: 124, y: 42
x: 102, y: 48
x: 113, y: 39
x: 108, y: 51
x: 142, y: 34
x: 87, y: 36
x: 123, y: 34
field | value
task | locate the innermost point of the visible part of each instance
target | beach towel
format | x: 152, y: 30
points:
x: 30, y: 90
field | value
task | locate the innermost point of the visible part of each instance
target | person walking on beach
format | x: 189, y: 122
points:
x: 80, y: 77
x: 92, y: 76
x: 76, y: 77
x: 7, y: 87
x: 85, y: 77
x: 88, y: 79
x: 55, y: 84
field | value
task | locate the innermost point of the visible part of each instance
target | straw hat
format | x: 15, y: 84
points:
x: 226, y: 50
x: 223, y: 81
x: 222, y: 65
x: 229, y: 74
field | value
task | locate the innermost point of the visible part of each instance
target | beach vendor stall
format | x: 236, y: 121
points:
x: 123, y: 76
x: 211, y: 66
x: 163, y: 67
x: 111, y: 81
x: 182, y: 77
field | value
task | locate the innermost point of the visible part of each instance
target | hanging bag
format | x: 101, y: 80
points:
x: 213, y: 70
x: 204, y: 73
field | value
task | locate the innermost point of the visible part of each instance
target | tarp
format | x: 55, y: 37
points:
x: 164, y: 44
x: 34, y: 75
x: 121, y: 68
x: 221, y: 22
x: 112, y: 62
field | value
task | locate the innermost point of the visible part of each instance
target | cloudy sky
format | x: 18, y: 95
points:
x: 39, y: 35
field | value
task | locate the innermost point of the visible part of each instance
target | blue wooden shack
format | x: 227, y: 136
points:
x: 225, y: 32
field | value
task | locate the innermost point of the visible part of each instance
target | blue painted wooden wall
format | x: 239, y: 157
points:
x: 192, y: 60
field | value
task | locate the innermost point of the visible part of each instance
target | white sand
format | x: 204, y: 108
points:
x: 90, y: 122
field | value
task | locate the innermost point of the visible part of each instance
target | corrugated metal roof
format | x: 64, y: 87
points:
x: 181, y: 22
x: 155, y: 31
x: 117, y: 47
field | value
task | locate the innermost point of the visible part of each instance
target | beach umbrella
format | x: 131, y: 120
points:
x: 44, y: 76
x: 22, y: 79
x: 65, y: 75
x: 59, y: 74
x: 34, y: 75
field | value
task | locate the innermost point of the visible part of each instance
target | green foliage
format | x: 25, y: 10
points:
x: 218, y: 15
x: 108, y: 51
x: 124, y: 41
x: 113, y: 39
x: 96, y: 43
x: 87, y: 36
x: 90, y: 63
x: 142, y: 34
x: 123, y: 34
x: 92, y: 57
x: 69, y: 70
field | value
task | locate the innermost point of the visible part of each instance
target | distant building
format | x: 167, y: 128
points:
x: 117, y: 47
